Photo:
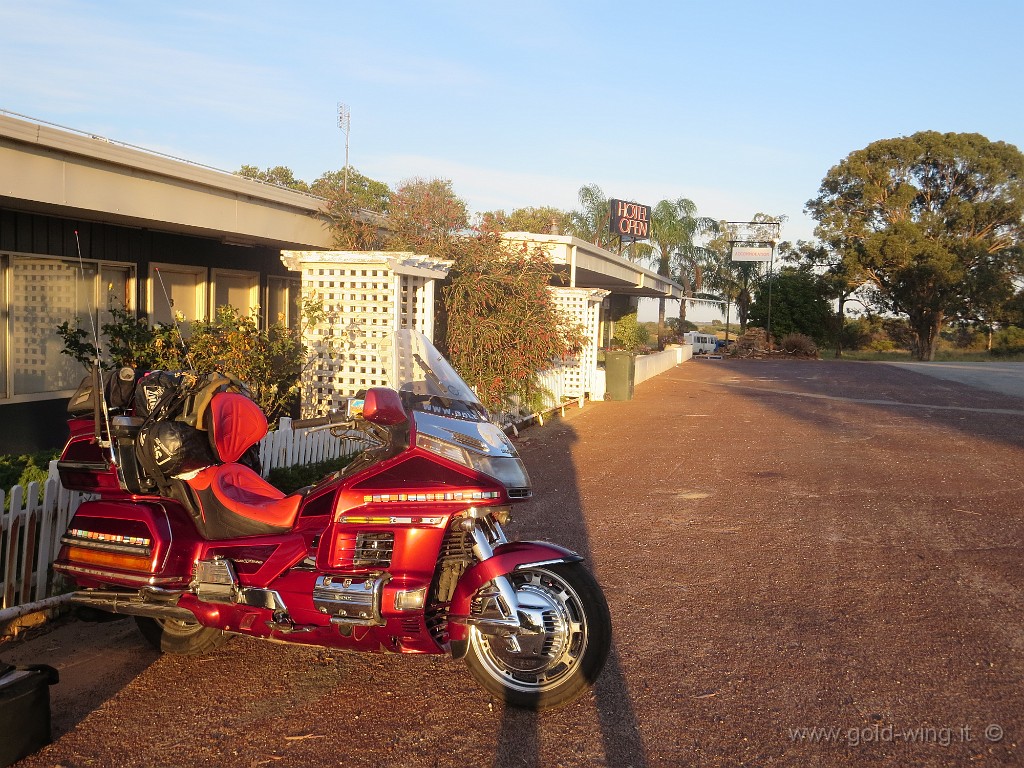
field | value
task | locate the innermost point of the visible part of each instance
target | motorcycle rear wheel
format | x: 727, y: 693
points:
x: 181, y: 638
x: 558, y: 665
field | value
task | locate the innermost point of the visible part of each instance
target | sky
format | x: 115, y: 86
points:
x: 742, y: 107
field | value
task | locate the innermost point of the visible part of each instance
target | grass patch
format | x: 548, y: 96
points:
x: 942, y: 356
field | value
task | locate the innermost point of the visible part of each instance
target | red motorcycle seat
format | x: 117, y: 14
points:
x: 243, y: 492
x: 237, y: 423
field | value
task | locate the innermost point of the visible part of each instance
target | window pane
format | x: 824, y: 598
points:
x: 283, y: 301
x: 4, y: 341
x: 183, y: 289
x: 237, y: 290
x: 115, y: 284
x: 45, y: 293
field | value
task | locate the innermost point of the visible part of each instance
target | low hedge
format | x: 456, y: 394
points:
x: 289, y: 479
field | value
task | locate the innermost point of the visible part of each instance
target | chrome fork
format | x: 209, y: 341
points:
x: 507, y: 601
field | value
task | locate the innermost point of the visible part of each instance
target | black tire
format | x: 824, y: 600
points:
x: 181, y: 638
x: 558, y: 665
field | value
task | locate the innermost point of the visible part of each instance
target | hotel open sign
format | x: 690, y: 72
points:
x: 630, y: 221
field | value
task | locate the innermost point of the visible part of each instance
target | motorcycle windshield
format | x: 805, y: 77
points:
x: 427, y: 383
x: 449, y: 419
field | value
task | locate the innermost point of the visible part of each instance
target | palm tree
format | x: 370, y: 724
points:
x: 674, y: 227
x: 591, y: 223
x: 734, y: 282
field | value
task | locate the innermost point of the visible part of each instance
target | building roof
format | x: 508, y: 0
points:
x: 586, y: 265
x: 57, y: 171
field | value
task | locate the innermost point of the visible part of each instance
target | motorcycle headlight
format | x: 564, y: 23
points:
x: 507, y: 470
x: 441, y: 447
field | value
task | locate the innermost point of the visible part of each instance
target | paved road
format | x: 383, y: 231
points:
x: 808, y: 563
x: 1005, y: 378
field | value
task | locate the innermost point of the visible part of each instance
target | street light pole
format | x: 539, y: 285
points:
x: 345, y: 122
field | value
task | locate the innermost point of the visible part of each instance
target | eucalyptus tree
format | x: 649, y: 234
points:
x: 280, y: 175
x: 935, y: 222
x: 364, y: 192
x: 840, y: 275
x: 356, y: 211
x: 539, y: 220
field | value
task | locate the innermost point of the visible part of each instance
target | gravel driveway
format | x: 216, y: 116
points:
x: 808, y: 563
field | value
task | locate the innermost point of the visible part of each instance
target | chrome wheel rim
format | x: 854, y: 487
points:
x: 545, y: 659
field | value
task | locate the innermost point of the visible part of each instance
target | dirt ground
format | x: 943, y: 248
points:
x: 808, y: 563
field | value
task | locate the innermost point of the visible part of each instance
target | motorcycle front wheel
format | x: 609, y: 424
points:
x: 559, y: 661
x: 182, y: 638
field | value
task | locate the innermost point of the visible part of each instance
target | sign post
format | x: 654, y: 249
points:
x: 757, y: 246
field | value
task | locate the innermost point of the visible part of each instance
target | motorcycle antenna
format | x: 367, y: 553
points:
x: 174, y: 319
x: 97, y: 369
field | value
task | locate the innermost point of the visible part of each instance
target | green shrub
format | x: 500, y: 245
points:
x: 799, y: 345
x: 630, y: 334
x: 290, y: 479
x: 268, y: 359
x: 25, y: 469
x: 1009, y: 342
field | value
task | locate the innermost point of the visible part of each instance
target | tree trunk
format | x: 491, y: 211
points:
x: 926, y: 334
x: 840, y: 323
x: 742, y: 306
x: 661, y: 324
x: 682, y: 306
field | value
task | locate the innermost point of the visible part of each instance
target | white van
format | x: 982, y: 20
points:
x: 703, y: 343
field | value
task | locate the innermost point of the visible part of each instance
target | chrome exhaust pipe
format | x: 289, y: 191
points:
x: 154, y: 604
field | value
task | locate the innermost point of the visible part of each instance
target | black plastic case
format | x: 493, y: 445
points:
x: 24, y: 710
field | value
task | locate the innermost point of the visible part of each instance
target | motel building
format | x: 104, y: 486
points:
x: 89, y: 224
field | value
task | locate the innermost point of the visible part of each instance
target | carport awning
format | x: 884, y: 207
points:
x: 588, y: 266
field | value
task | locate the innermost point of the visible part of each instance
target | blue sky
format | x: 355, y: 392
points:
x: 740, y: 106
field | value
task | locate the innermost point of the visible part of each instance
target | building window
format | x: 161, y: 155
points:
x: 284, y: 301
x: 44, y: 293
x: 177, y: 295
x: 240, y: 290
x: 117, y: 287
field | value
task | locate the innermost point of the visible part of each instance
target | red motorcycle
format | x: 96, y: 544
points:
x: 402, y: 550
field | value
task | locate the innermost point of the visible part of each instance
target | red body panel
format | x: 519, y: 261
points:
x: 130, y: 542
x: 386, y: 525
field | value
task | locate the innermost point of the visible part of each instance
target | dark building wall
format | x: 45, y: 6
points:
x: 40, y: 425
x: 31, y: 427
x: 55, y: 236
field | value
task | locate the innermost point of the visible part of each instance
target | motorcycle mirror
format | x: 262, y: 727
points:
x: 354, y: 407
x: 383, y: 406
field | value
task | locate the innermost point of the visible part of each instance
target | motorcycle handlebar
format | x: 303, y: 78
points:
x: 334, y: 417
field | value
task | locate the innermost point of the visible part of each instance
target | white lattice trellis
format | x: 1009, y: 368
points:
x: 366, y: 295
x: 582, y: 306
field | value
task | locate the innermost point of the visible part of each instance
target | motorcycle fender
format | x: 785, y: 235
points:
x: 507, y: 559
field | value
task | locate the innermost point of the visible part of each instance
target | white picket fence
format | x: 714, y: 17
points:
x: 30, y: 529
